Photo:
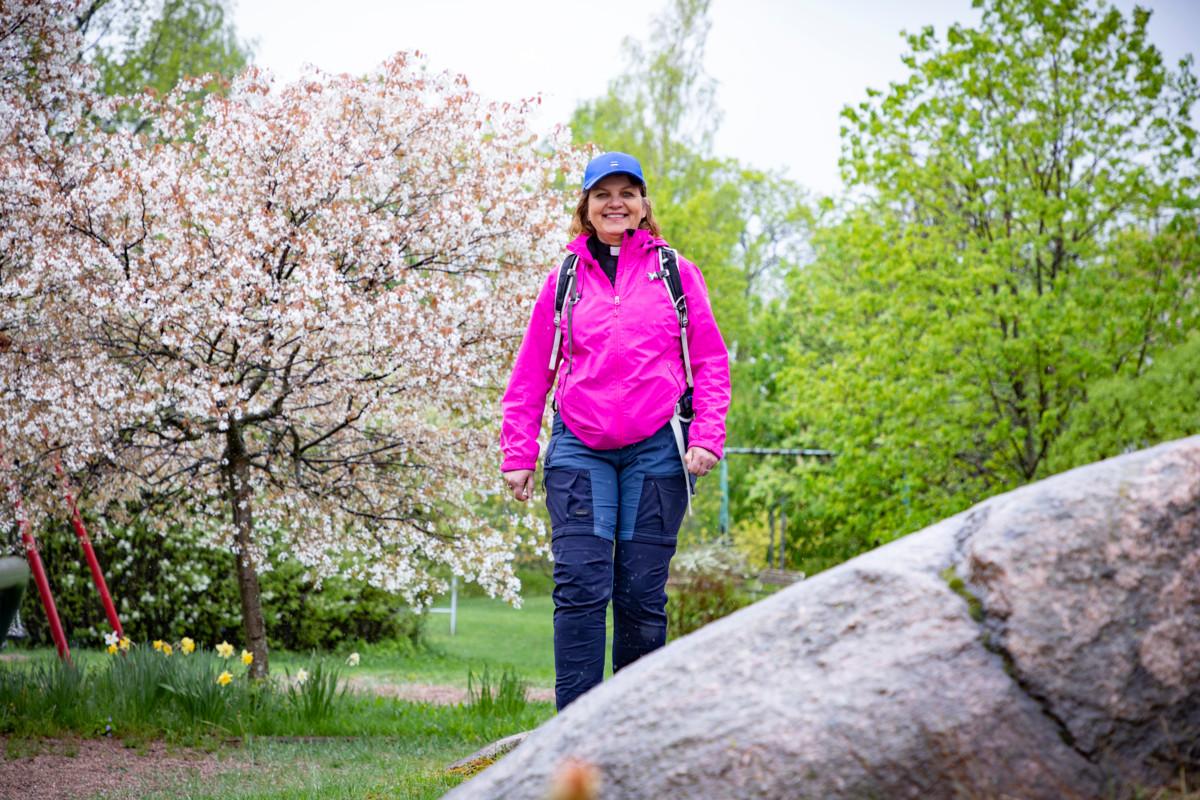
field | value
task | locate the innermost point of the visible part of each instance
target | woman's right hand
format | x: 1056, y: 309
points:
x: 520, y: 483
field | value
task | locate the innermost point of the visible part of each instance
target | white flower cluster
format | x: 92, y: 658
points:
x: 283, y: 315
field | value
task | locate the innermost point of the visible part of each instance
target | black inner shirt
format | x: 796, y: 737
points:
x: 606, y: 260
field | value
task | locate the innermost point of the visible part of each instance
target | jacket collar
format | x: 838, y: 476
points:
x: 639, y: 242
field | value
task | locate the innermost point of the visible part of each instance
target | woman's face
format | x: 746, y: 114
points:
x: 615, y: 205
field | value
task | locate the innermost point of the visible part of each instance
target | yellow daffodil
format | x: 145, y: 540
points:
x: 112, y: 649
x: 186, y: 645
x: 247, y: 657
x: 125, y: 643
x: 224, y: 678
x: 224, y: 649
x: 352, y: 660
x: 167, y: 650
x: 158, y: 644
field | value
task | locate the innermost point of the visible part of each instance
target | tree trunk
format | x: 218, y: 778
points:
x: 237, y: 472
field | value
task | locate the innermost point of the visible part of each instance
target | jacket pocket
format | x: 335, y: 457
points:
x: 569, y: 500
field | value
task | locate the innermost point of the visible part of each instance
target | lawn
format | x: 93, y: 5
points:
x: 489, y: 633
x: 372, y: 768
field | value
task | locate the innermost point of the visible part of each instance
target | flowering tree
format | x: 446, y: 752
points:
x: 43, y: 101
x: 298, y: 304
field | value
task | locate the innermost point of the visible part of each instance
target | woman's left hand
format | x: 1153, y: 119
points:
x: 699, y: 461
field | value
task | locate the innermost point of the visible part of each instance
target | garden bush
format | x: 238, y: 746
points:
x: 176, y: 586
x: 707, y: 582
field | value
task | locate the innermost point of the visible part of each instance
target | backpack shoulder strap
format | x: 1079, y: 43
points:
x: 668, y: 261
x: 668, y: 264
x: 563, y: 284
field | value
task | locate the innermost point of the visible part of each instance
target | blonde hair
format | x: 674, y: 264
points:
x: 581, y: 224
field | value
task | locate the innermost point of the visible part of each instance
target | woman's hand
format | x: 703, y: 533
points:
x: 699, y: 461
x: 520, y: 483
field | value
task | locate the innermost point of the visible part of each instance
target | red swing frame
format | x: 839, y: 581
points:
x: 39, y: 570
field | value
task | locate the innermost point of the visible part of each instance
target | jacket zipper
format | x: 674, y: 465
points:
x: 617, y: 340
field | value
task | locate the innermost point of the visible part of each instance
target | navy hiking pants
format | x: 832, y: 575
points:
x: 615, y: 516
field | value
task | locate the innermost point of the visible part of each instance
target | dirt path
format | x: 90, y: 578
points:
x: 432, y: 693
x: 63, y: 769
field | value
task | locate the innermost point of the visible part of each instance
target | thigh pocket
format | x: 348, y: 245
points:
x: 569, y: 499
x: 661, y: 509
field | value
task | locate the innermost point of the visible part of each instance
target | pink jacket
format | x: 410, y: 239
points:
x: 628, y: 365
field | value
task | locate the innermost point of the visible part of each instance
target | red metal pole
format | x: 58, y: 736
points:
x: 89, y: 552
x: 35, y: 564
x: 39, y: 578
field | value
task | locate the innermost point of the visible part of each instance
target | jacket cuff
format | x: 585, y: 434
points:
x: 712, y: 447
x: 511, y: 464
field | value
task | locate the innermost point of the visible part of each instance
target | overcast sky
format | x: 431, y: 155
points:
x: 784, y: 68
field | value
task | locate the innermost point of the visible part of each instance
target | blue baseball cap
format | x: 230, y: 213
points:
x: 602, y: 166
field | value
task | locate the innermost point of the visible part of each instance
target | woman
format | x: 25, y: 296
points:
x: 614, y: 476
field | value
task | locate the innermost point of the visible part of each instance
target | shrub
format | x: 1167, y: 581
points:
x: 174, y: 585
x: 706, y: 584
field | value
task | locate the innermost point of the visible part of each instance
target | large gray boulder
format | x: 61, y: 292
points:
x: 1044, y: 644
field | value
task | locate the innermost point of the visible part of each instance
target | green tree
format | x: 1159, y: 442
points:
x: 1123, y: 415
x: 142, y: 44
x: 1023, y: 226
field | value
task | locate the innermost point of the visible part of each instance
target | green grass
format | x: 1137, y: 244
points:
x: 492, y: 632
x: 362, y: 769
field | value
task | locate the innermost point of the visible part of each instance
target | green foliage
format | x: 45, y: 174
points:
x: 534, y: 572
x: 488, y: 699
x: 303, y: 616
x: 151, y: 46
x: 353, y: 768
x: 176, y: 586
x: 313, y: 694
x: 1020, y: 240
x: 706, y: 584
x: 136, y: 49
x: 190, y: 682
x: 1121, y: 415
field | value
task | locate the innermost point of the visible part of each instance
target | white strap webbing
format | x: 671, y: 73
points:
x: 677, y: 429
x: 558, y: 316
x: 676, y: 420
x: 683, y: 343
